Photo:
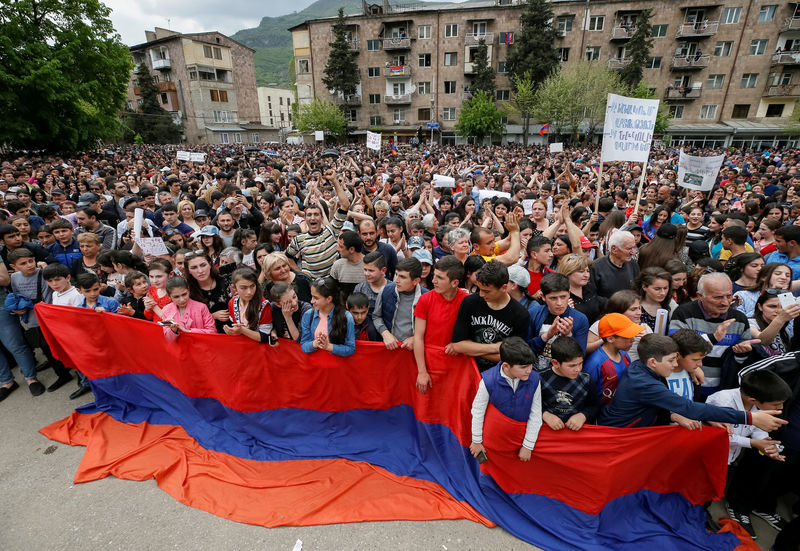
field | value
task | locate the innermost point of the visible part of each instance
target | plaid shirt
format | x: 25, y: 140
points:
x: 565, y: 397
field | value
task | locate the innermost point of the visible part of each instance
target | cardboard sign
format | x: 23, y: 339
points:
x: 557, y: 147
x: 152, y: 245
x: 374, y: 140
x: 319, y: 135
x: 489, y: 193
x: 197, y: 157
x: 698, y: 173
x: 628, y: 128
x: 527, y: 206
x: 443, y: 181
x: 183, y: 156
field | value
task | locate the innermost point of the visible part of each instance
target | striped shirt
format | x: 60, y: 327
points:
x: 317, y: 252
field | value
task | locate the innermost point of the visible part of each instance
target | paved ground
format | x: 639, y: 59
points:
x: 41, y: 509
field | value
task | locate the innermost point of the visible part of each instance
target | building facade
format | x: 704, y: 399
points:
x: 729, y: 72
x: 206, y: 80
x: 275, y: 105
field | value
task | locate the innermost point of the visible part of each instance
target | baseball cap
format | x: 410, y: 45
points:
x: 206, y: 230
x: 519, y: 275
x: 200, y: 213
x: 127, y: 200
x: 416, y: 242
x: 57, y: 191
x: 423, y: 255
x: 667, y: 231
x: 87, y: 199
x: 618, y: 324
x: 585, y: 243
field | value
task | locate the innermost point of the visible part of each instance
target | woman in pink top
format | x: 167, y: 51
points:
x: 184, y: 315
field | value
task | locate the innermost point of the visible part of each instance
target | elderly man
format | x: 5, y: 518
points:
x: 720, y: 323
x: 616, y: 271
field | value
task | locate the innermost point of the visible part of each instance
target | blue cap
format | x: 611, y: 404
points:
x: 206, y: 230
x: 423, y: 255
x: 416, y: 242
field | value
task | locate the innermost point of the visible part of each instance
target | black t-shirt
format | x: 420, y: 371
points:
x: 216, y: 299
x: 479, y: 323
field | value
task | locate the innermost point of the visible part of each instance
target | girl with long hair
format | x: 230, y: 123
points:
x: 328, y: 325
x: 655, y: 293
x: 207, y: 286
x: 773, y: 324
x: 743, y: 270
x: 775, y: 275
x: 680, y: 276
x: 249, y: 311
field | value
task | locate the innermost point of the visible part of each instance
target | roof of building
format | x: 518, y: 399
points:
x: 192, y: 36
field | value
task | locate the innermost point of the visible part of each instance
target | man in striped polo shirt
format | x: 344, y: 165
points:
x: 316, y: 250
x: 713, y: 317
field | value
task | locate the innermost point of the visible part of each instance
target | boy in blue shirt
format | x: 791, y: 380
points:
x: 513, y: 388
x: 607, y: 364
x: 65, y: 249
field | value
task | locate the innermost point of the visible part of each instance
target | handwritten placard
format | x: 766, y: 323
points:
x: 628, y: 128
x: 443, y: 181
x: 152, y: 245
x: 374, y: 140
x: 183, y: 156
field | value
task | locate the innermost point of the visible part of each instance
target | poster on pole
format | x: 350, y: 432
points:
x: 443, y: 181
x: 698, y: 173
x: 628, y: 128
x: 556, y: 147
x: 319, y: 135
x: 183, y: 156
x: 138, y: 219
x: 374, y: 140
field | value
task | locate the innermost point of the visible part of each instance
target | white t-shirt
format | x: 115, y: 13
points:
x: 70, y: 297
x: 681, y: 384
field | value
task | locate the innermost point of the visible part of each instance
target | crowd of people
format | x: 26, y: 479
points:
x: 582, y: 301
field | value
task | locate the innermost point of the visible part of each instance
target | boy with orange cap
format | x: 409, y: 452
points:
x: 607, y: 364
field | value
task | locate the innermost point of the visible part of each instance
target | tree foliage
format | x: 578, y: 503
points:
x: 321, y: 115
x: 639, y: 48
x: 662, y: 117
x: 483, y: 78
x: 341, y: 71
x: 63, y: 73
x: 533, y: 51
x: 152, y: 122
x: 480, y: 117
x: 523, y: 101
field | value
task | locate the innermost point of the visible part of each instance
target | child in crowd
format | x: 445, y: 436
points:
x: 159, y: 271
x: 513, y: 388
x: 540, y: 255
x: 375, y: 276
x: 287, y: 310
x: 133, y: 304
x: 66, y: 248
x: 358, y: 306
x: 182, y: 314
x: 44, y: 235
x: 57, y: 277
x: 89, y: 286
x: 692, y: 348
x: 607, y: 364
x: 394, y: 307
x: 328, y: 325
x: 569, y: 397
x: 250, y: 312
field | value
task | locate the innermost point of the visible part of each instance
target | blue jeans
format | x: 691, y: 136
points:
x: 13, y: 339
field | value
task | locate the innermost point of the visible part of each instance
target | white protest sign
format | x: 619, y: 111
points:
x: 374, y: 140
x: 489, y: 193
x: 556, y: 147
x: 443, y: 181
x: 628, y: 128
x: 197, y: 157
x: 183, y: 156
x: 138, y: 218
x: 319, y: 135
x: 527, y: 206
x: 152, y: 245
x: 698, y: 173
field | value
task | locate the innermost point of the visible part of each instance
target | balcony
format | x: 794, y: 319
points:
x: 353, y: 99
x: 791, y: 24
x: 466, y: 96
x: 782, y: 90
x: 398, y: 71
x: 618, y: 63
x: 162, y: 87
x: 698, y: 30
x: 475, y: 39
x: 469, y: 68
x: 622, y: 33
x: 396, y: 43
x: 161, y: 64
x: 402, y: 99
x: 691, y: 61
x: 789, y: 58
x: 682, y: 93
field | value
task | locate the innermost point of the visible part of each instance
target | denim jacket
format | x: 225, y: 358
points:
x: 309, y: 325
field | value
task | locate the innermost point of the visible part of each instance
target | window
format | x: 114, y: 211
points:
x: 425, y: 60
x: 775, y: 110
x: 223, y: 138
x: 424, y: 31
x: 786, y: 79
x: 130, y: 105
x: 723, y: 49
x: 740, y: 111
x: 222, y: 116
x: 501, y: 67
x: 767, y: 13
x: 218, y: 55
x: 451, y: 58
x: 155, y: 79
x: 350, y: 115
x: 424, y: 114
x: 398, y: 61
x: 597, y: 22
x: 708, y: 111
x: 653, y: 63
x: 592, y: 53
x: 302, y: 67
x: 192, y: 74
x: 237, y: 137
x: 280, y: 100
x: 139, y: 102
x: 399, y: 116
x: 373, y: 72
x: 399, y: 89
x: 449, y: 86
x: 563, y: 54
x: 749, y: 80
x: 255, y: 137
x: 564, y: 24
x: 451, y: 30
x: 375, y: 120
x: 659, y: 31
x: 479, y: 28
x: 506, y: 38
x: 373, y: 45
x: 503, y: 95
x: 166, y: 77
x: 374, y: 99
x: 715, y: 82
x: 214, y: 95
x: 423, y: 88
x: 207, y: 52
x: 503, y: 120
x: 730, y: 16
x: 758, y: 47
x: 449, y: 113
x: 676, y: 111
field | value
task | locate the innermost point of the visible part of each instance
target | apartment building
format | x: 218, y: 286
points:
x: 206, y: 80
x: 275, y: 105
x: 728, y: 71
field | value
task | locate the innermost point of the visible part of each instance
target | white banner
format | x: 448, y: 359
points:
x: 183, y: 156
x: 628, y: 128
x: 489, y: 193
x: 556, y: 147
x: 138, y: 218
x: 527, y: 206
x: 374, y: 140
x: 319, y: 135
x: 698, y: 173
x: 197, y: 157
x: 443, y: 181
x: 152, y: 245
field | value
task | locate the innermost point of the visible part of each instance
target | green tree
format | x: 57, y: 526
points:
x: 532, y: 51
x: 523, y: 101
x: 483, y: 78
x: 341, y: 72
x: 662, y: 116
x: 321, y: 115
x: 480, y: 117
x: 639, y: 48
x: 63, y: 74
x: 152, y: 122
